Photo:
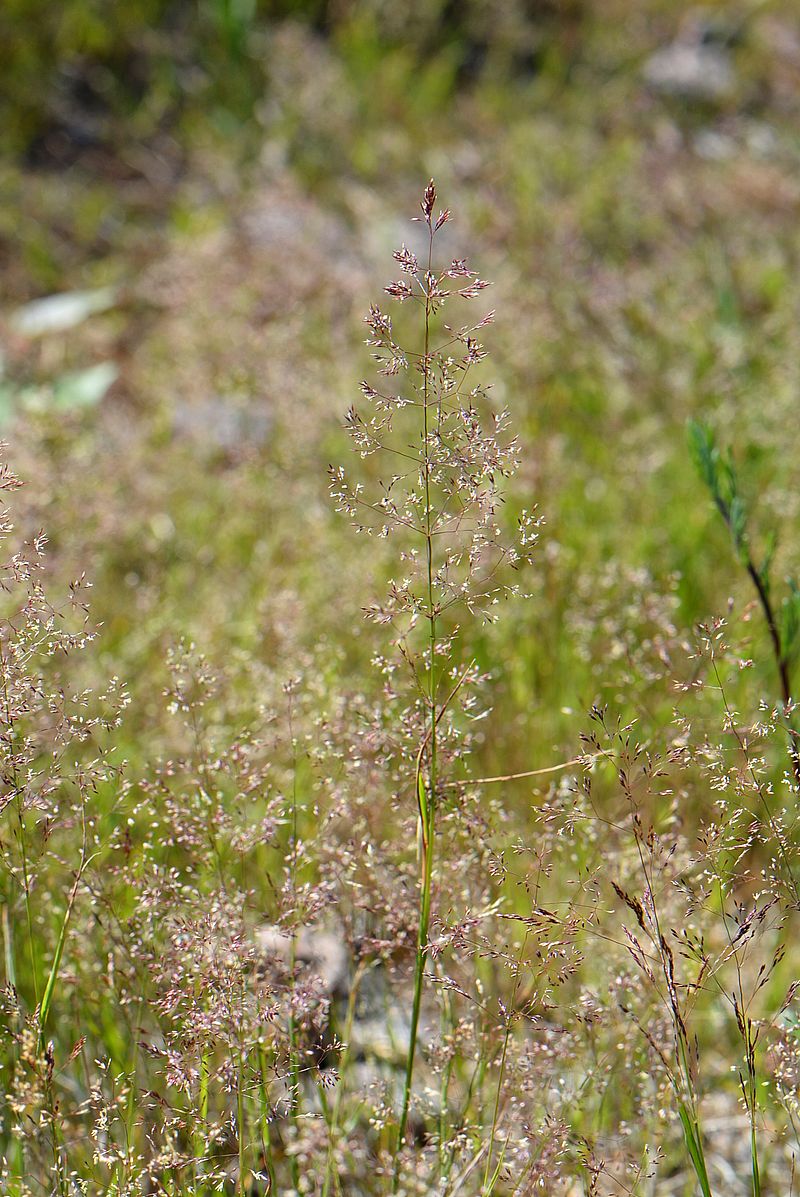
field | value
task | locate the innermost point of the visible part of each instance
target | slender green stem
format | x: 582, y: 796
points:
x: 59, y: 1162
x: 448, y: 1024
x: 201, y: 1125
x: 754, y: 1159
x: 242, y: 1186
x: 761, y: 585
x: 20, y: 812
x: 52, y: 979
x: 487, y: 1186
x: 426, y: 795
x: 8, y: 946
x: 333, y: 1128
x: 241, y: 1111
x: 294, y: 1056
x: 130, y: 1116
x: 694, y: 1145
x: 774, y: 825
x: 682, y: 1084
x: 263, y: 1090
x: 294, y: 1062
x: 27, y: 888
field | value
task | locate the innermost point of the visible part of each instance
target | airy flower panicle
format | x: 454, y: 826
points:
x: 447, y: 481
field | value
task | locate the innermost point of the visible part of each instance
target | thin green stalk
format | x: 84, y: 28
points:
x: 684, y: 1091
x: 242, y: 1187
x: 201, y: 1126
x: 294, y: 1056
x: 487, y: 1187
x: 774, y: 825
x: 448, y: 1023
x: 750, y: 1094
x: 263, y: 1093
x: 204, y: 1075
x: 333, y: 1128
x: 11, y: 978
x: 694, y: 1145
x: 475, y: 1083
x: 240, y: 1105
x: 130, y: 1117
x: 8, y: 947
x: 57, y: 1142
x: 687, y: 1111
x: 50, y: 987
x: 20, y: 812
x: 426, y: 796
x: 27, y: 888
x: 754, y: 1160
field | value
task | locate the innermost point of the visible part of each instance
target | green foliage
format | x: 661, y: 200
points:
x: 719, y: 474
x: 790, y: 622
x: 71, y: 391
x: 101, y: 70
x: 45, y: 42
x: 783, y: 623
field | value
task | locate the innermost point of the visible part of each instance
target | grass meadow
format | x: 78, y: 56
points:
x: 400, y: 626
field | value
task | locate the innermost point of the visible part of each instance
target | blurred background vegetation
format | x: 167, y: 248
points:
x: 217, y: 185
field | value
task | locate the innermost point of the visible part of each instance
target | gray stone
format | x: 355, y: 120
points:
x: 319, y: 953
x: 696, y: 66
